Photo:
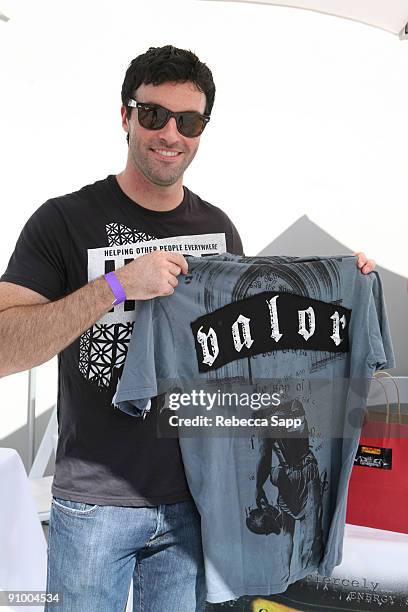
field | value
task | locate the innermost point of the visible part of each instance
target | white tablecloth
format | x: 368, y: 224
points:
x: 373, y: 575
x: 23, y: 547
x: 379, y: 555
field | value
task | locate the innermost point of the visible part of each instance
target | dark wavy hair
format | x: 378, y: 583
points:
x: 167, y: 64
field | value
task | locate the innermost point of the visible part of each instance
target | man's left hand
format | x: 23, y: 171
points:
x: 365, y: 265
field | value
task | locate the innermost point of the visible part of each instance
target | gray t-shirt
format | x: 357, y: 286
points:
x: 290, y: 345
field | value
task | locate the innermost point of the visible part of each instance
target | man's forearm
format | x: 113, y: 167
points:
x: 33, y: 334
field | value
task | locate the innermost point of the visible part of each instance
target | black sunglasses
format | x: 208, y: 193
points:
x: 155, y: 117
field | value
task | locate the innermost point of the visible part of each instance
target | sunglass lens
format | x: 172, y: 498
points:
x: 190, y: 124
x: 152, y: 118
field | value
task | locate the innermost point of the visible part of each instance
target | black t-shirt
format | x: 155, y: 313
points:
x: 105, y: 456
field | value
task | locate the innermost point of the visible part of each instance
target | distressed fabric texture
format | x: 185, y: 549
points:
x: 272, y: 500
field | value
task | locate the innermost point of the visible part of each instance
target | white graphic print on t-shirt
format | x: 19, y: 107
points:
x: 103, y: 347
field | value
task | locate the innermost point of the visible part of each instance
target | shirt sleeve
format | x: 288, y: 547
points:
x: 39, y: 260
x: 150, y: 364
x: 381, y: 350
x: 236, y: 243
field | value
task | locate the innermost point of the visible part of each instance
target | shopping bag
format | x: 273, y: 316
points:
x: 378, y: 487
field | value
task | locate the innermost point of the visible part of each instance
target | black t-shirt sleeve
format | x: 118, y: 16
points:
x: 39, y: 260
x: 235, y: 247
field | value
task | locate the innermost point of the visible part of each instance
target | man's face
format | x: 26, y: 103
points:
x: 145, y: 145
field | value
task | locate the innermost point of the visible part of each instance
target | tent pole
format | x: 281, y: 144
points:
x: 31, y: 416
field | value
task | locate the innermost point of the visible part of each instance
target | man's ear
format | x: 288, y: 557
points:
x: 125, y: 122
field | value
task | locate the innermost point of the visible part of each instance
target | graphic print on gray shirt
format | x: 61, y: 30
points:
x: 314, y: 329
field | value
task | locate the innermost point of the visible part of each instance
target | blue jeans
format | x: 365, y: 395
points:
x: 94, y: 551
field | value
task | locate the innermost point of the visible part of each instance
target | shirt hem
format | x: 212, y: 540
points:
x: 272, y: 589
x: 138, y: 502
x: 129, y: 393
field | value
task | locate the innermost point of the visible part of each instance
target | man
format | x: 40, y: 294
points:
x: 121, y: 505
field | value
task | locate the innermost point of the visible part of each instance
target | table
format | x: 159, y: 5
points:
x: 23, y: 547
x: 373, y: 575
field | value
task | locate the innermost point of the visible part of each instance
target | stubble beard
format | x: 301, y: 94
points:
x: 150, y: 168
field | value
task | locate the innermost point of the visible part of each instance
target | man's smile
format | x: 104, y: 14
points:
x: 166, y: 154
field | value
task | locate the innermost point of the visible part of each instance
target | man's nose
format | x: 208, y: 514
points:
x: 170, y: 129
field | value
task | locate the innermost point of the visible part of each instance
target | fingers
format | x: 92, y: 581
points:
x: 176, y: 264
x: 364, y: 264
x: 172, y: 284
x: 173, y: 281
x: 361, y: 259
x: 167, y: 266
x: 179, y: 260
x: 174, y: 269
x: 152, y: 274
x: 368, y: 266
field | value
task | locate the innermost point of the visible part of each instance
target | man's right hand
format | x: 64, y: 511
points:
x: 152, y: 275
x: 33, y: 329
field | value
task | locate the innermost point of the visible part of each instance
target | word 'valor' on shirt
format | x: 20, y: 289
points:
x: 269, y: 321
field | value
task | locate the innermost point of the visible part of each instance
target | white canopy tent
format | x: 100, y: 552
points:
x: 5, y: 10
x: 389, y: 15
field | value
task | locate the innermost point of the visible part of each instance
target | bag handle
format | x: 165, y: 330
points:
x: 386, y: 398
x: 376, y: 376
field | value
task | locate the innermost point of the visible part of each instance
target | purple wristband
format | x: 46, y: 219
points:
x: 117, y: 289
